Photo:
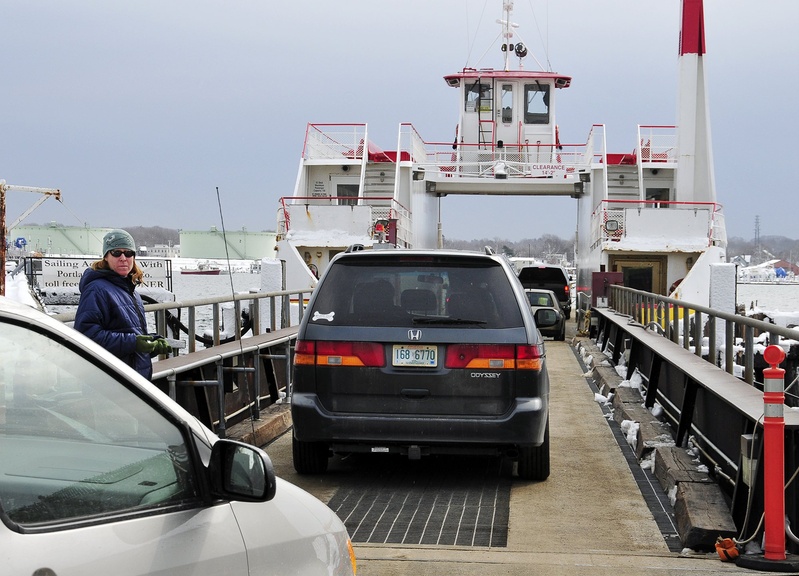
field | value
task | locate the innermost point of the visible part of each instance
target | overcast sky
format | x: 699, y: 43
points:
x: 137, y: 110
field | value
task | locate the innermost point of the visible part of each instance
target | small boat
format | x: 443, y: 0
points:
x: 204, y: 269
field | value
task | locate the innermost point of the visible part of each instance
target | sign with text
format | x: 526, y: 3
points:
x: 550, y: 170
x: 67, y: 272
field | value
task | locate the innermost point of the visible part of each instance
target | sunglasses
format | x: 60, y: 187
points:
x: 118, y: 253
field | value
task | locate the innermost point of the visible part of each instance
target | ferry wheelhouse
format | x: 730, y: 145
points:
x: 649, y: 214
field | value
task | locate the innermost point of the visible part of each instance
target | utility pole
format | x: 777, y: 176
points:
x: 759, y: 251
x: 46, y: 193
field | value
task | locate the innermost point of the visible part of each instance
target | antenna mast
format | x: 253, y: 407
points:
x: 507, y: 31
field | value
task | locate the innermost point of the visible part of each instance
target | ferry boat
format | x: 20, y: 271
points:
x: 203, y: 269
x: 649, y: 214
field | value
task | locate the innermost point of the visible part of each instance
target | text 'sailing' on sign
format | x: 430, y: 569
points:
x: 66, y: 272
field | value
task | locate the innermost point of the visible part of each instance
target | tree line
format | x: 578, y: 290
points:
x: 768, y: 248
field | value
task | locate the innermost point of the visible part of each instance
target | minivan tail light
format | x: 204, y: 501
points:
x: 328, y: 353
x: 529, y: 357
x: 304, y: 353
x: 492, y: 356
x: 495, y: 356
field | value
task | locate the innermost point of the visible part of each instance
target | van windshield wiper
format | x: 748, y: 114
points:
x: 439, y: 320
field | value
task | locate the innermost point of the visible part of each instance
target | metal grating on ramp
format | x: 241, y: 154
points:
x: 440, y: 501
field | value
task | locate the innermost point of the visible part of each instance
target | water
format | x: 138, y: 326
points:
x: 781, y: 297
x: 192, y: 286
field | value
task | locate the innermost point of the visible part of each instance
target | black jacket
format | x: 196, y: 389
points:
x: 111, y: 313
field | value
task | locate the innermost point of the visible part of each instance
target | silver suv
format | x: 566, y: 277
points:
x: 420, y: 352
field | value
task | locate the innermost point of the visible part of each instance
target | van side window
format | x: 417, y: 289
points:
x: 77, y: 444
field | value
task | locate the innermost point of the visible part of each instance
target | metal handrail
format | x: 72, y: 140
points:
x: 674, y: 318
x: 190, y: 369
x: 160, y: 310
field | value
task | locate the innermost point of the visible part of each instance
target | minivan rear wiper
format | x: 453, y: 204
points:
x: 439, y: 320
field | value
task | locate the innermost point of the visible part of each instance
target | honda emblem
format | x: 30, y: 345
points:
x: 414, y: 335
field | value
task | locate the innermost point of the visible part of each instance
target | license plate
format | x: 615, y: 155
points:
x: 415, y: 355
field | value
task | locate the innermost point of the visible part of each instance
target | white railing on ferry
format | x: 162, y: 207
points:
x: 617, y: 220
x: 334, y: 141
x: 519, y: 160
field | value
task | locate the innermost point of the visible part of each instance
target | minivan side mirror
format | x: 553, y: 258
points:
x: 546, y: 317
x: 240, y: 471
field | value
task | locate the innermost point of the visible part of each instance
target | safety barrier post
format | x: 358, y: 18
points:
x: 774, y: 453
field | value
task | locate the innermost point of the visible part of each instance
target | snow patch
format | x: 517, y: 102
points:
x: 601, y: 399
x: 752, y: 547
x: 673, y: 495
x: 648, y: 461
x: 630, y: 429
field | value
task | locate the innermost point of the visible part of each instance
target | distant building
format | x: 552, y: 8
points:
x: 241, y: 244
x: 160, y: 251
x: 56, y: 239
x: 787, y: 266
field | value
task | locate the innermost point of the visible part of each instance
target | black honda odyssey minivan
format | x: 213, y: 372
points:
x: 420, y: 352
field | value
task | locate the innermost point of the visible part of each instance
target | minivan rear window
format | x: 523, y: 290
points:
x: 542, y: 274
x: 407, y: 291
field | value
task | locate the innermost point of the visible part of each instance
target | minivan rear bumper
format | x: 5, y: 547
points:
x: 523, y: 425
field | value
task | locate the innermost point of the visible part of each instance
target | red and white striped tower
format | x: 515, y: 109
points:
x: 695, y: 179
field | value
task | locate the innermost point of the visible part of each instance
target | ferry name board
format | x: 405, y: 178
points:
x: 66, y: 272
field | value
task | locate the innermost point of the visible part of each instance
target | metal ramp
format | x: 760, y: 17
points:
x: 445, y: 501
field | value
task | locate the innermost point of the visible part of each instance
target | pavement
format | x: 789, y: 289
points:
x: 588, y: 518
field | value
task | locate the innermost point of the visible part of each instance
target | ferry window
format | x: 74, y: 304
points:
x: 507, y: 103
x: 347, y: 194
x: 657, y: 195
x: 536, y: 99
x: 479, y: 97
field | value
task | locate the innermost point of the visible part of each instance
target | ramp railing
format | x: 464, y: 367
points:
x: 220, y: 381
x: 723, y: 338
x: 703, y: 368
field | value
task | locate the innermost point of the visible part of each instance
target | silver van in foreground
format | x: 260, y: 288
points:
x: 102, y: 473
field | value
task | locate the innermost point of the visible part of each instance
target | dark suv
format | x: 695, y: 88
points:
x: 420, y: 352
x: 549, y: 277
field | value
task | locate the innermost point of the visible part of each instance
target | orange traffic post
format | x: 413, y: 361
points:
x: 774, y: 453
